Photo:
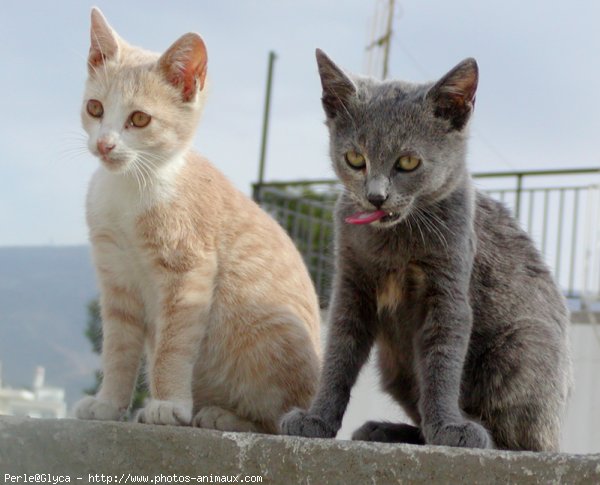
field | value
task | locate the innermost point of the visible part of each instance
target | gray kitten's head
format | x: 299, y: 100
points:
x: 397, y: 146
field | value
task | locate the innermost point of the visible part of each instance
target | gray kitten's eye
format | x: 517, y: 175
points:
x: 139, y: 119
x: 95, y: 108
x: 407, y: 163
x: 355, y: 160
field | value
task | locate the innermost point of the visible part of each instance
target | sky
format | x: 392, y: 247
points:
x: 537, y: 101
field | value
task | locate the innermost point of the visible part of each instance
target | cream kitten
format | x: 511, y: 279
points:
x: 190, y: 269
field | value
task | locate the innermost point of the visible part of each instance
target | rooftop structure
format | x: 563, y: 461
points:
x: 40, y: 401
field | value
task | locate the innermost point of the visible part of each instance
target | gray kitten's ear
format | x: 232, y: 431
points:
x: 104, y: 41
x: 337, y: 87
x: 453, y: 96
x: 184, y: 65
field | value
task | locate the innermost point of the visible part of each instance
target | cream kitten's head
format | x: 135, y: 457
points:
x: 140, y: 107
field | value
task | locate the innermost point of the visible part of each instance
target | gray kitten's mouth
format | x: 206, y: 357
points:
x: 371, y: 217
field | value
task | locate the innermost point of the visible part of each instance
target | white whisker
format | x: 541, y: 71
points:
x: 152, y: 157
x: 69, y: 154
x: 431, y: 227
x: 145, y: 164
x: 142, y: 172
x: 144, y: 169
x: 74, y: 145
x: 134, y: 170
x: 148, y: 159
x: 415, y: 215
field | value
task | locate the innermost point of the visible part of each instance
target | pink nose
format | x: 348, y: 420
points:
x: 104, y: 147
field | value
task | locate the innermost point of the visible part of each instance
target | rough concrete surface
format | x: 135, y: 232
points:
x: 105, y: 452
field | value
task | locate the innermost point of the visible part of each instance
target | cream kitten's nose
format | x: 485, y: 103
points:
x: 104, y: 147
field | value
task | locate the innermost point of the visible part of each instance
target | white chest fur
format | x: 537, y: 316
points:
x: 114, y: 205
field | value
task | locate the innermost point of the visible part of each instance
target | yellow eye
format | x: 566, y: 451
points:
x: 408, y: 163
x: 95, y: 108
x: 355, y: 160
x: 139, y: 119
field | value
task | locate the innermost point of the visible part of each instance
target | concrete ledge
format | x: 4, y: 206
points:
x: 85, y: 450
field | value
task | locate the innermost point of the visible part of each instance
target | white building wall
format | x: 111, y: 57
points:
x: 41, y: 402
x: 581, y: 433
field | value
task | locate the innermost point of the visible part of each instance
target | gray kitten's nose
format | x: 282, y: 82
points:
x: 377, y: 199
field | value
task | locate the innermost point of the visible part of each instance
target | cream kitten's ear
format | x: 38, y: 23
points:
x: 104, y: 41
x: 184, y: 65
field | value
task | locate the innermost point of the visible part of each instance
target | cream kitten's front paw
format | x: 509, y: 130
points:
x: 214, y: 417
x: 165, y: 412
x: 91, y: 407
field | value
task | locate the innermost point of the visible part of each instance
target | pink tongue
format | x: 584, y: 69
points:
x: 365, y: 217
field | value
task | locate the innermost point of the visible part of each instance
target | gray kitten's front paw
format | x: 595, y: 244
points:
x: 467, y: 434
x: 299, y: 423
x: 91, y: 407
x: 165, y: 412
x: 370, y: 431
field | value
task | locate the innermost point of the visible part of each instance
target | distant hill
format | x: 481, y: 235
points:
x: 44, y: 293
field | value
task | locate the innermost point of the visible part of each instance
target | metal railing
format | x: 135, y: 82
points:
x: 306, y: 213
x: 560, y: 209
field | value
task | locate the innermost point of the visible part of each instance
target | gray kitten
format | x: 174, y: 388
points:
x: 470, y: 327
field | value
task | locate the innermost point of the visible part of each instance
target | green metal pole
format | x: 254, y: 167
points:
x: 265, y: 129
x: 388, y: 41
x: 519, y: 192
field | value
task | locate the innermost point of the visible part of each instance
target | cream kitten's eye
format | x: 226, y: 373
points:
x: 139, y: 119
x: 95, y: 108
x: 355, y: 160
x: 408, y: 163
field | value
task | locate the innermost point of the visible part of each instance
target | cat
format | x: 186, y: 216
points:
x: 192, y: 273
x: 470, y: 327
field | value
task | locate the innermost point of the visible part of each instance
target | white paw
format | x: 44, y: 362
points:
x: 214, y: 417
x: 91, y: 407
x: 165, y: 412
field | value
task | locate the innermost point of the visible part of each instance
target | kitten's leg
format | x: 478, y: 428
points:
x: 519, y: 418
x: 122, y: 346
x: 389, y: 433
x: 441, y: 350
x: 350, y: 338
x: 186, y: 301
x: 214, y: 417
x: 258, y: 371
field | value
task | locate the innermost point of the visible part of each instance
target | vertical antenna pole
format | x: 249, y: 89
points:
x: 388, y: 39
x: 265, y: 129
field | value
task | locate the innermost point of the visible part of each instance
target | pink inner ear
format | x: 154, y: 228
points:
x: 465, y: 89
x: 96, y: 57
x: 193, y: 71
x: 185, y: 65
